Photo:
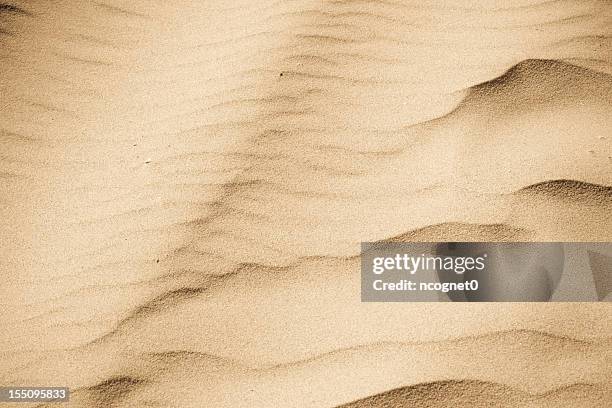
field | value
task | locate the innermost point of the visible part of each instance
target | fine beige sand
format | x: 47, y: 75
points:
x: 184, y: 187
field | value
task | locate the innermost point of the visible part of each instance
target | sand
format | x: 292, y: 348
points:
x: 184, y: 187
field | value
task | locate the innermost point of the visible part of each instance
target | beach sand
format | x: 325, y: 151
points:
x: 184, y: 187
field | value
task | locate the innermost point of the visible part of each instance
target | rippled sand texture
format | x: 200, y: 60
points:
x: 184, y: 186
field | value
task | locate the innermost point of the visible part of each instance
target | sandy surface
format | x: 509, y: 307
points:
x: 184, y: 187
